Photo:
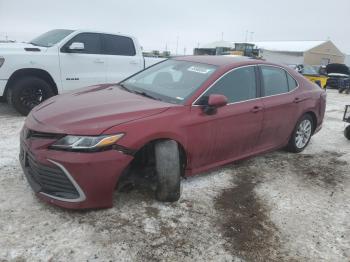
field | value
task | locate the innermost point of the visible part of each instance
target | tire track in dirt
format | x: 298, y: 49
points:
x: 244, y: 220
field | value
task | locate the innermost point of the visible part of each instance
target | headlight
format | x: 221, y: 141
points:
x: 86, y: 143
x: 2, y: 60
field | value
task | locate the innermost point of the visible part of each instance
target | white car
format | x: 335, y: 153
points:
x: 63, y: 60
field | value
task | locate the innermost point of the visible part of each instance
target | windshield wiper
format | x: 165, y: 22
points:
x: 143, y: 93
x: 125, y: 88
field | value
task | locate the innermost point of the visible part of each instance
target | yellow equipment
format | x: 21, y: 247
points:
x: 310, y: 73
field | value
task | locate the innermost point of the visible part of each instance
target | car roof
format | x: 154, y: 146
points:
x: 228, y: 62
x: 218, y: 60
x: 214, y: 60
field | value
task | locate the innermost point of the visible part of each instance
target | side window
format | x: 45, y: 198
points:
x: 275, y: 80
x: 291, y: 82
x: 118, y: 45
x: 238, y: 85
x: 91, y: 41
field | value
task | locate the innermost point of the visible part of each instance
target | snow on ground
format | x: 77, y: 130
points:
x: 274, y: 207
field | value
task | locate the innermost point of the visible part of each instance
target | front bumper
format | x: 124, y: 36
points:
x: 92, y: 176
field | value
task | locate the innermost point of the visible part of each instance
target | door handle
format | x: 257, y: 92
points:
x: 133, y: 62
x: 256, y: 109
x: 298, y: 100
x: 99, y: 61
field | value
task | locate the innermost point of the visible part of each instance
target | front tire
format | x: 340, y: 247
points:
x: 301, y: 135
x: 347, y: 132
x: 168, y: 168
x: 28, y: 92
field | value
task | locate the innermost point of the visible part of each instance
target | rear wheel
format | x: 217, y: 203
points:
x: 301, y: 135
x: 28, y: 92
x: 168, y: 169
x: 347, y: 132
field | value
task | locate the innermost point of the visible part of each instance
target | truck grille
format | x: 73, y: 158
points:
x: 52, y: 180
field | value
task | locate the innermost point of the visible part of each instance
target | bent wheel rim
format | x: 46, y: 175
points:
x: 303, y: 134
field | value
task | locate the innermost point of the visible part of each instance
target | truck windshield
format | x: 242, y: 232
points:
x: 309, y: 70
x: 50, y: 38
x: 172, y: 81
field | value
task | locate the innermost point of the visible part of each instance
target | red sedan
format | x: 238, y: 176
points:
x: 177, y: 118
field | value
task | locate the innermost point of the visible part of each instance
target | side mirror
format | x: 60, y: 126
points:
x: 76, y: 46
x: 214, y: 101
x: 217, y: 100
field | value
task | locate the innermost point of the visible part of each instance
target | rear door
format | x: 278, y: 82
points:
x: 232, y: 132
x: 82, y: 68
x: 281, y: 108
x: 122, y: 58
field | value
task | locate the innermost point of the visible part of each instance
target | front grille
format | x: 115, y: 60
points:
x: 52, y: 180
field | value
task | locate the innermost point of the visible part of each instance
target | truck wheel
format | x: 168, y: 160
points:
x: 168, y: 168
x: 27, y: 93
x: 340, y: 90
x: 301, y: 135
x: 347, y: 132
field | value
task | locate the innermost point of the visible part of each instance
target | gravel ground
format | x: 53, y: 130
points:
x: 275, y: 207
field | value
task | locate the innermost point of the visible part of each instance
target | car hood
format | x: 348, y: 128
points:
x: 92, y: 110
x: 337, y: 69
x: 19, y: 47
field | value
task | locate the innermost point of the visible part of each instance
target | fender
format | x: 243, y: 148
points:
x: 32, y: 72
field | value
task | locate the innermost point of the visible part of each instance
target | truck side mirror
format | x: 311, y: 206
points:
x: 76, y: 46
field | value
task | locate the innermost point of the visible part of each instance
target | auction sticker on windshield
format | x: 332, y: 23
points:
x: 199, y: 70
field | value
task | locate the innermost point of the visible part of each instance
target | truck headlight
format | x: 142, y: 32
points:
x: 86, y: 143
x: 2, y: 60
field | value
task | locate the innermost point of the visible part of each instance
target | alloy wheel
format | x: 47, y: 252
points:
x: 303, y: 133
x: 31, y: 97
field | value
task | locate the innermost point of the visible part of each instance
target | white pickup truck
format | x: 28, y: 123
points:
x: 63, y: 60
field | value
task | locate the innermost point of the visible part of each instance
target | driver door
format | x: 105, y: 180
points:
x: 84, y: 67
x: 233, y: 131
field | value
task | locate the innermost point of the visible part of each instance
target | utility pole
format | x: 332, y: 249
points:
x: 177, y: 44
x: 222, y: 36
x: 184, y: 50
x: 246, y: 35
x: 251, y: 36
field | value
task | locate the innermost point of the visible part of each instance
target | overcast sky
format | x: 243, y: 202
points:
x: 158, y: 23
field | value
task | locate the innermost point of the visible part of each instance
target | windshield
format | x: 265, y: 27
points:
x: 51, y: 38
x: 171, y: 81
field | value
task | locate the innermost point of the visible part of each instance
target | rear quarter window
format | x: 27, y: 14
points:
x: 292, y: 83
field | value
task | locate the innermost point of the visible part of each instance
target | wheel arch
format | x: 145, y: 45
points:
x: 182, y: 150
x: 314, y: 119
x: 24, y: 72
x: 146, y: 153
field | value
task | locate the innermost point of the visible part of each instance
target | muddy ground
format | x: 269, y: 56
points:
x: 274, y: 207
